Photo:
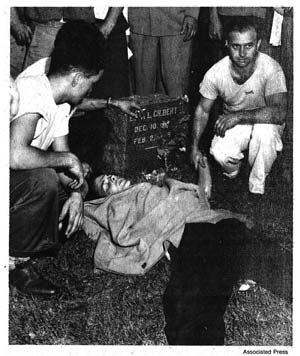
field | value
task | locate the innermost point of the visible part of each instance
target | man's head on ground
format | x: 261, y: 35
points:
x: 242, y: 40
x: 105, y: 185
x: 79, y: 56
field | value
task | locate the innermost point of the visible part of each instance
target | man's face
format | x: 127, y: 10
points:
x: 109, y: 184
x: 243, y: 47
x: 82, y: 86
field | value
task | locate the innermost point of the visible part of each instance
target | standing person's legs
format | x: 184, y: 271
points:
x: 17, y: 57
x: 145, y: 52
x: 263, y: 147
x: 203, y: 271
x: 176, y: 58
x: 227, y: 150
x: 42, y: 42
x: 115, y: 80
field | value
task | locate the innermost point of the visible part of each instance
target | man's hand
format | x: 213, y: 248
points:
x: 189, y: 28
x: 225, y: 122
x: 197, y: 158
x: 76, y: 170
x: 215, y: 29
x: 22, y: 33
x: 73, y: 209
x: 87, y: 169
x: 128, y: 107
x: 106, y: 28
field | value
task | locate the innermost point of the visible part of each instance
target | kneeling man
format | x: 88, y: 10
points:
x: 253, y: 89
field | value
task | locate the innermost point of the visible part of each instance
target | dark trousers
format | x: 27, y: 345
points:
x: 115, y: 80
x: 88, y: 137
x: 203, y: 271
x: 34, y: 210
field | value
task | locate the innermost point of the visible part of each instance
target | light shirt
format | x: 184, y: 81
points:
x: 100, y: 12
x: 36, y: 98
x: 267, y: 79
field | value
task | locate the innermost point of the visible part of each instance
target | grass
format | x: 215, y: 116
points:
x: 110, y: 309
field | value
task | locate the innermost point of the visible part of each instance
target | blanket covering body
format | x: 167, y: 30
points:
x: 134, y: 228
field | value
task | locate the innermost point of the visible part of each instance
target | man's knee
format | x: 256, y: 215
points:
x: 229, y: 160
x: 267, y: 135
x: 219, y: 155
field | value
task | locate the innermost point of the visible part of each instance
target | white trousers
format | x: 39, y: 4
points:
x: 263, y: 142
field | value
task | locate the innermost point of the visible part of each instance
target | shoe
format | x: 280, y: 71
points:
x: 28, y: 282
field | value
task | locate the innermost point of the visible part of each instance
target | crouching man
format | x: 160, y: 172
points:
x: 47, y: 182
x: 253, y: 89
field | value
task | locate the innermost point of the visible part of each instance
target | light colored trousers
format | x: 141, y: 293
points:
x: 174, y: 57
x: 263, y: 142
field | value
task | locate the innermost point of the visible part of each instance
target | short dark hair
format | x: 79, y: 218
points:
x: 79, y: 45
x: 241, y: 24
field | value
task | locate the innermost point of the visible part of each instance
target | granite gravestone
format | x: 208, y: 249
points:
x: 134, y: 143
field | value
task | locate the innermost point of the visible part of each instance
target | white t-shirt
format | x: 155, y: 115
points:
x: 100, y: 12
x: 267, y: 79
x: 36, y: 97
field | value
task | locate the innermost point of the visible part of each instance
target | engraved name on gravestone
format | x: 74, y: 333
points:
x: 133, y: 142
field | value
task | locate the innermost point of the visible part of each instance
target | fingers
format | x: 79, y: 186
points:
x: 196, y: 163
x: 207, y: 192
x: 25, y: 34
x: 135, y: 105
x: 198, y: 160
x: 62, y: 215
x: 74, y: 224
x: 128, y: 107
x: 189, y: 29
x: 221, y: 126
x: 75, y: 184
x: 131, y: 113
x: 233, y: 160
x: 28, y: 34
x: 214, y: 36
x: 187, y: 32
x: 87, y: 169
x: 202, y: 161
x: 136, y: 113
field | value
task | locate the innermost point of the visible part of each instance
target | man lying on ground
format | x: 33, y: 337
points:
x: 134, y: 225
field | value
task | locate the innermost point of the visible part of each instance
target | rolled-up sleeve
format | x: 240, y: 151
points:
x: 208, y: 88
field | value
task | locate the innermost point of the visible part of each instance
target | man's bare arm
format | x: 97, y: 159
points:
x: 25, y: 156
x: 110, y: 20
x: 61, y: 144
x: 274, y: 113
x: 199, y: 124
x: 129, y: 107
x: 21, y: 32
x: 90, y: 104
